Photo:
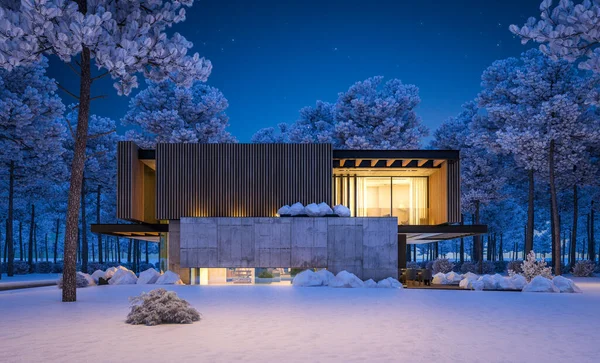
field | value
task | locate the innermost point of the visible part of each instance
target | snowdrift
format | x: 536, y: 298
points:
x: 307, y: 278
x: 169, y: 278
x: 148, y: 277
x: 123, y: 276
x: 565, y: 285
x: 540, y: 284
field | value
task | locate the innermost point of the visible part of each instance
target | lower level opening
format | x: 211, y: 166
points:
x: 242, y: 276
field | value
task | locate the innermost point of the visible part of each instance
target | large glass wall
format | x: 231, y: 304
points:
x: 370, y: 196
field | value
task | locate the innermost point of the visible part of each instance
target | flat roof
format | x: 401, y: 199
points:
x: 144, y: 232
x: 426, y: 234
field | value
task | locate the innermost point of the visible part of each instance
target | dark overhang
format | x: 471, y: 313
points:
x: 145, y: 232
x: 393, y: 158
x: 426, y: 234
x: 146, y: 154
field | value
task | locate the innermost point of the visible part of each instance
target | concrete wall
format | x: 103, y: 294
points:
x: 367, y: 247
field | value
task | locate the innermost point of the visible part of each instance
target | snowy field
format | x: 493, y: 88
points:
x: 283, y: 323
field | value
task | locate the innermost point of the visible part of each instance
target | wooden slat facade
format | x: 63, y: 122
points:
x: 135, y: 185
x: 239, y: 180
x: 453, y: 191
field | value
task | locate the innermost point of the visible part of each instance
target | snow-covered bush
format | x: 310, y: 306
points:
x: 519, y: 281
x: 307, y: 278
x: 468, y: 266
x: 312, y: 210
x: 297, y: 209
x: 515, y: 267
x: 148, y: 276
x: 325, y: 276
x: 565, y: 285
x: 346, y: 279
x: 57, y: 268
x: 540, y: 283
x: 488, y: 267
x: 584, y: 268
x: 43, y: 267
x: 341, y: 210
x: 370, y: 283
x: 453, y: 277
x: 81, y: 280
x: 442, y: 265
x: 97, y: 275
x: 161, y: 307
x: 169, y: 278
x: 325, y: 209
x: 123, y: 277
x: 439, y: 279
x: 21, y: 267
x: 285, y: 210
x: 532, y: 268
x: 110, y: 272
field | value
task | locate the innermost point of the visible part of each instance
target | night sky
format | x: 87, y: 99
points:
x: 271, y: 58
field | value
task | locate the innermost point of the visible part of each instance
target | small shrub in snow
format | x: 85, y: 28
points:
x: 439, y: 279
x: 519, y: 281
x: 296, y: 209
x: 312, y: 210
x: 540, y: 283
x: 57, y: 267
x: 44, y: 267
x: 488, y: 267
x: 21, y: 267
x: 81, y: 280
x: 307, y: 278
x: 457, y: 267
x: 515, y: 267
x: 341, y: 210
x: 148, y: 276
x: 442, y: 265
x: 532, y: 268
x: 412, y: 264
x: 565, y: 285
x: 470, y: 266
x: 161, y: 307
x: 500, y: 266
x: 169, y: 278
x: 325, y: 209
x: 285, y: 210
x: 123, y: 277
x: 325, y: 276
x: 97, y: 275
x: 584, y: 268
x: 453, y: 277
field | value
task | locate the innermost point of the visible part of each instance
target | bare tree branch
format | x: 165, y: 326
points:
x: 67, y: 91
x: 94, y: 136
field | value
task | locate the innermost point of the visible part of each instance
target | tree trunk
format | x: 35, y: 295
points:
x: 56, y: 239
x: 501, y: 249
x: 555, y: 215
x: 530, y: 216
x: 35, y: 243
x: 84, y: 242
x: 98, y: 210
x: 93, y: 252
x: 591, y: 241
x: 30, y: 247
x: 129, y: 251
x: 572, y: 244
x: 69, y: 291
x: 46, y: 245
x: 9, y: 224
x: 147, y: 257
x: 21, y: 249
x: 477, y: 240
x: 462, y: 241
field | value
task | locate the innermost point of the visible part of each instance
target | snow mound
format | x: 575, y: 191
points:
x: 540, y: 284
x: 505, y: 283
x: 466, y: 283
x: 325, y: 209
x: 470, y: 276
x: 296, y: 208
x: 518, y: 281
x: 148, y: 277
x: 325, y: 276
x: 370, y: 283
x: 312, y: 210
x: 439, y: 279
x: 565, y: 285
x: 394, y: 283
x: 453, y: 277
x: 489, y: 283
x: 307, y: 278
x: 169, y: 278
x: 97, y: 275
x: 341, y: 210
x: 477, y: 285
x: 284, y: 210
x: 89, y: 278
x: 384, y: 284
x: 346, y: 279
x: 110, y: 272
x: 123, y: 277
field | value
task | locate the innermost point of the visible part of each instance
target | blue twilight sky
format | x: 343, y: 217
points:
x: 271, y: 57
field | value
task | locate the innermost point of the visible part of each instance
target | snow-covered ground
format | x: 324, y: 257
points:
x: 28, y: 277
x: 319, y: 324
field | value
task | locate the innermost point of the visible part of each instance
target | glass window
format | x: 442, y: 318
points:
x: 374, y: 196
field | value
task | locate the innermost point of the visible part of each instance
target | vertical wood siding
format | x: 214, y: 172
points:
x: 239, y: 180
x: 130, y: 173
x: 453, y: 191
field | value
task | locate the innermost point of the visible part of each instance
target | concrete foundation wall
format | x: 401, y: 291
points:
x: 367, y: 247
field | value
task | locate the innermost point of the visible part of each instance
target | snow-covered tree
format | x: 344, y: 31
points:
x: 368, y: 115
x: 534, y: 106
x: 31, y: 135
x: 123, y: 38
x: 164, y: 112
x: 566, y: 31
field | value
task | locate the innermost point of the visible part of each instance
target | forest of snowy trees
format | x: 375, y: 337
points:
x: 529, y: 140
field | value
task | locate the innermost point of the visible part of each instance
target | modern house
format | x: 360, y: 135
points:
x: 213, y: 207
